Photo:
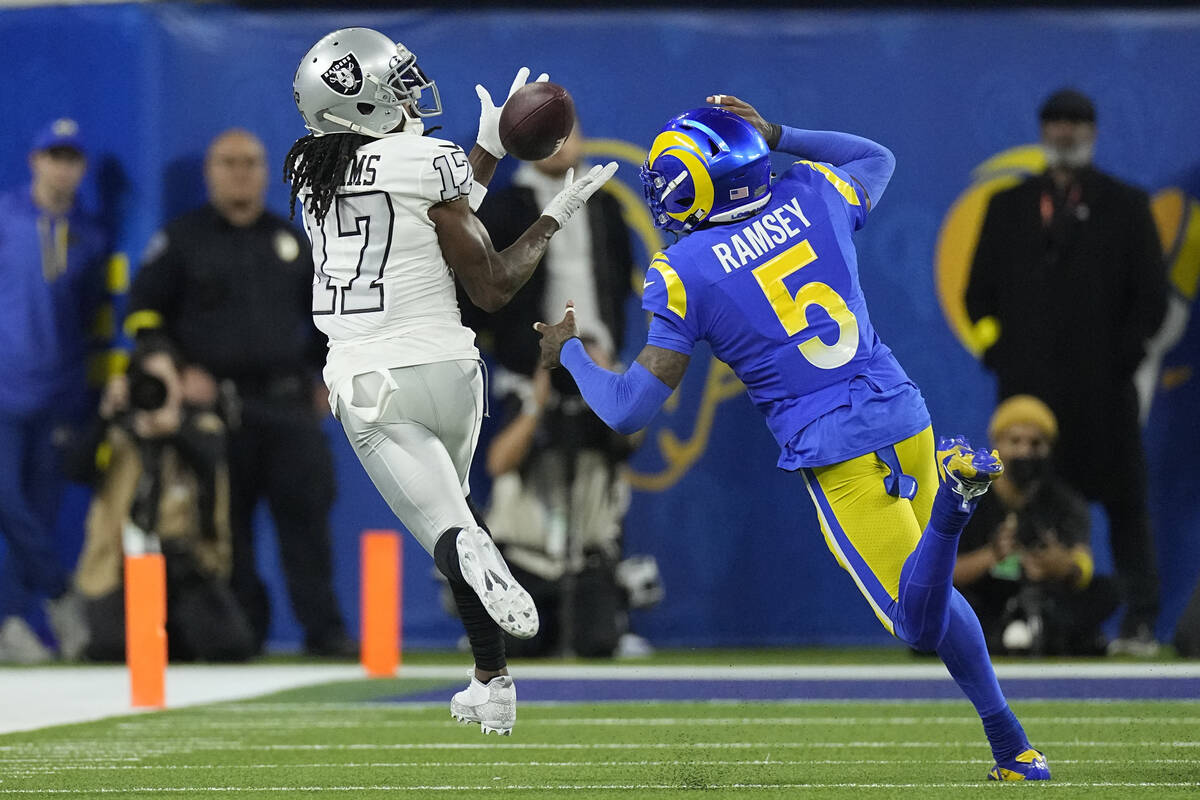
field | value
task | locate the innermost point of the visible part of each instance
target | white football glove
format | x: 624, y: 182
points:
x: 489, y: 113
x: 576, y: 192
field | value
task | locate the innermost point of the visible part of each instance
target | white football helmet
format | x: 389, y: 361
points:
x: 356, y: 80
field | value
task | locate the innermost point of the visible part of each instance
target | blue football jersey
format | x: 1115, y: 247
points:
x: 777, y: 297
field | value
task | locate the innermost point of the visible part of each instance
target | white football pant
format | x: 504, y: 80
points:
x: 415, y: 429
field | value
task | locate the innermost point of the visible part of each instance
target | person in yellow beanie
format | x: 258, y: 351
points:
x: 1024, y: 562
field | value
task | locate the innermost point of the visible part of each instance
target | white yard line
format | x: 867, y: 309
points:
x: 32, y: 698
x: 58, y: 766
x: 214, y: 745
x: 828, y: 672
x: 568, y: 787
x: 38, y: 697
x: 222, y: 722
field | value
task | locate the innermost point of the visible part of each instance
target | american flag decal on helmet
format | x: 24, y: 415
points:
x: 739, y: 193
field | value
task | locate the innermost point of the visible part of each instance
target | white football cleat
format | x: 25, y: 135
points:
x: 484, y: 570
x: 493, y: 705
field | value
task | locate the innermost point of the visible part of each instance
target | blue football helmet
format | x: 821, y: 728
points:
x: 706, y: 165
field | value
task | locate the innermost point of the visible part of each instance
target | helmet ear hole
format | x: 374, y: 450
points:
x: 366, y: 109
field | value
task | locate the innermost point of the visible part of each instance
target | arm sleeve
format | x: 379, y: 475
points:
x: 625, y: 401
x: 155, y: 288
x: 982, y: 294
x: 869, y: 163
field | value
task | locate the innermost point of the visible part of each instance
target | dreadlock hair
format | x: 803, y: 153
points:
x: 320, y: 162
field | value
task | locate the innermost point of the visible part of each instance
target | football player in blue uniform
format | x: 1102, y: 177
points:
x: 767, y: 274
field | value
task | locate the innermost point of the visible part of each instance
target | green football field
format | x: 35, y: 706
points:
x: 394, y: 738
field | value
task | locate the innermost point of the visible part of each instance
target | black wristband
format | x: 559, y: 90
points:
x: 773, y: 137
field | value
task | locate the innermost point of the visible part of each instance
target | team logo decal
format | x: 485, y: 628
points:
x: 344, y: 76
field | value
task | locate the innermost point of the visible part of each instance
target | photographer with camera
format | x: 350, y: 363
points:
x: 159, y: 473
x: 557, y: 505
x: 558, y: 499
x: 1024, y: 562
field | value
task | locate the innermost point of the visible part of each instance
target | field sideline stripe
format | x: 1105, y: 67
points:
x: 755, y: 762
x: 492, y: 787
x: 571, y: 722
x: 205, y: 746
x: 866, y: 672
x: 193, y: 746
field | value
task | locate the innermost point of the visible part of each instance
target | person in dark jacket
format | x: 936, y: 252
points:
x: 590, y: 260
x: 535, y: 458
x: 1070, y: 272
x: 230, y: 284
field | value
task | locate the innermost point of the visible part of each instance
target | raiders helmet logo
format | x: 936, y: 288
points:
x: 344, y: 76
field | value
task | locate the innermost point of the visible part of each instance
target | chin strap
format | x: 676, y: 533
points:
x: 407, y: 125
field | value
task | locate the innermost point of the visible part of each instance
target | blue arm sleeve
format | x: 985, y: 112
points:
x: 627, y: 401
x: 868, y: 162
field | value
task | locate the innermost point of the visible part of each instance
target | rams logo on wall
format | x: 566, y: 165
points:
x: 677, y: 455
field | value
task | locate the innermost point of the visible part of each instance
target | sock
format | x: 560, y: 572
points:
x: 477, y: 515
x: 946, y: 516
x: 485, y: 636
x: 927, y: 577
x: 964, y: 652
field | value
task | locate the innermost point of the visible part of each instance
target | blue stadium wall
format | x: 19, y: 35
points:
x: 742, y: 557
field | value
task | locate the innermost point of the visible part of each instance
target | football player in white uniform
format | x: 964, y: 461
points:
x: 390, y: 214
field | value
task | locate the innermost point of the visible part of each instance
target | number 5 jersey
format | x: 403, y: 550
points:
x: 777, y: 297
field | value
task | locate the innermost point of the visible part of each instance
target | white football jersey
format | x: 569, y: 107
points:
x: 382, y: 292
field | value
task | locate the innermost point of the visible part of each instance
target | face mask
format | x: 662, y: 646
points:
x: 1025, y: 471
x: 1073, y: 156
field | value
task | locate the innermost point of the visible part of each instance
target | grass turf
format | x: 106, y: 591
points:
x: 336, y: 741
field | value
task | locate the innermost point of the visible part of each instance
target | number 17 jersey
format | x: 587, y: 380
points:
x: 382, y: 291
x: 777, y: 297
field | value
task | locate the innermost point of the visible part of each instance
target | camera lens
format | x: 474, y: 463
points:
x: 146, y: 392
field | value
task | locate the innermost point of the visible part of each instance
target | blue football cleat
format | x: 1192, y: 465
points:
x: 1028, y: 766
x: 966, y: 471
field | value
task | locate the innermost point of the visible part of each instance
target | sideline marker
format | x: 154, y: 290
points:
x: 382, y: 559
x: 146, y: 629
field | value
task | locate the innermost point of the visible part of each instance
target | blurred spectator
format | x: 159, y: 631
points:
x: 1024, y: 562
x: 589, y: 261
x: 558, y: 497
x: 159, y: 473
x: 231, y: 285
x: 1069, y: 273
x: 557, y: 505
x: 52, y: 258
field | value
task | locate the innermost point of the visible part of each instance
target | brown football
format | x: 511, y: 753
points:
x: 536, y: 120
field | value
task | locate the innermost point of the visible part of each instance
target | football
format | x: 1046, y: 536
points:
x: 536, y: 120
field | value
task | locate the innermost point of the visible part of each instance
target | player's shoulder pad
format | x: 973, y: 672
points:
x: 839, y: 180
x: 664, y: 291
x: 445, y: 173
